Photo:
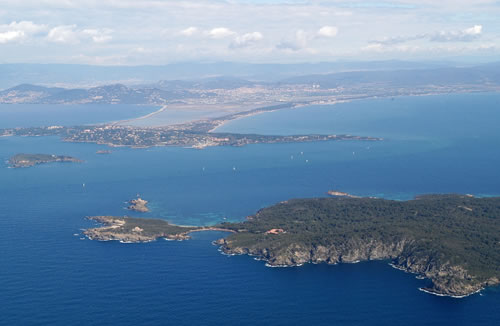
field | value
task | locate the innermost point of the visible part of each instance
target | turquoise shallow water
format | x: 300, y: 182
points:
x: 49, y: 276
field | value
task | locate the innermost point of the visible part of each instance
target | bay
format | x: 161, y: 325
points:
x: 39, y: 115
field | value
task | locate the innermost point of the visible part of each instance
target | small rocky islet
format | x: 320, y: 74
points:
x: 451, y: 240
x: 29, y: 160
x: 138, y: 205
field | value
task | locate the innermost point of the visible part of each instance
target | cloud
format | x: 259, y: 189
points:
x: 11, y: 36
x: 328, y: 31
x: 220, y: 32
x: 466, y: 35
x: 298, y: 43
x: 98, y: 35
x: 247, y: 39
x: 69, y: 34
x: 381, y: 48
x: 27, y: 27
x: 63, y: 34
x: 141, y: 50
x: 377, y: 5
x: 399, y: 39
x: 18, y: 31
x: 225, y: 30
x: 374, y: 47
x: 190, y: 31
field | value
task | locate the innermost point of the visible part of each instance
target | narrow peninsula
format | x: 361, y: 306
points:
x: 131, y: 230
x: 451, y: 240
x: 28, y: 160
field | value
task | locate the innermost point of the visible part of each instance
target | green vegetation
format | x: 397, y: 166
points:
x: 454, y: 240
x: 186, y: 135
x: 129, y: 229
x: 27, y: 160
x: 151, y: 227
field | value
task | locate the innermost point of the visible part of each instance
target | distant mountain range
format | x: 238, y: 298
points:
x: 109, y: 94
x: 484, y: 77
x: 78, y: 76
x: 397, y: 78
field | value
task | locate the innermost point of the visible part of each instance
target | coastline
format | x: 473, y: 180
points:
x: 429, y: 291
x: 268, y: 264
x: 292, y: 107
x: 140, y: 230
x: 250, y: 114
x: 348, y: 241
x: 149, y: 115
x: 349, y: 100
x: 326, y: 103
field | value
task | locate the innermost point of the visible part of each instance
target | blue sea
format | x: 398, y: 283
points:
x: 38, y: 115
x: 51, y: 275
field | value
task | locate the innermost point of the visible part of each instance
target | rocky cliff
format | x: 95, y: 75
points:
x: 446, y: 279
x: 457, y: 249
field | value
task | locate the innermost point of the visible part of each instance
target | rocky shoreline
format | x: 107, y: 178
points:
x: 133, y: 230
x: 138, y: 230
x: 433, y: 236
x: 451, y: 240
x: 446, y: 280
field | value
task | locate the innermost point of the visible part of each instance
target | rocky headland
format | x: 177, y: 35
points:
x: 134, y: 230
x: 129, y: 229
x: 451, y: 240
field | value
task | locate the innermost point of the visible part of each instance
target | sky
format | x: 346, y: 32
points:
x: 138, y: 32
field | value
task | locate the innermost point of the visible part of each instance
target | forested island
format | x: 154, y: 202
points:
x: 28, y: 160
x: 452, y: 240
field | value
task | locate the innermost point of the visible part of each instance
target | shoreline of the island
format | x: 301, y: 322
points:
x: 149, y: 115
x: 179, y: 237
x: 108, y: 223
x: 429, y: 291
x: 270, y: 265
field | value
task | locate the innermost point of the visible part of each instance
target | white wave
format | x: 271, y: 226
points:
x: 447, y: 295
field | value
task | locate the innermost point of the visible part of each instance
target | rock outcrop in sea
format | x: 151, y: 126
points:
x: 138, y: 205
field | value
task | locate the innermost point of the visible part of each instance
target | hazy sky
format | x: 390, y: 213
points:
x: 164, y: 31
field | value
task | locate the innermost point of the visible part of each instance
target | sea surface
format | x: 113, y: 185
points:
x: 51, y: 275
x: 39, y: 115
